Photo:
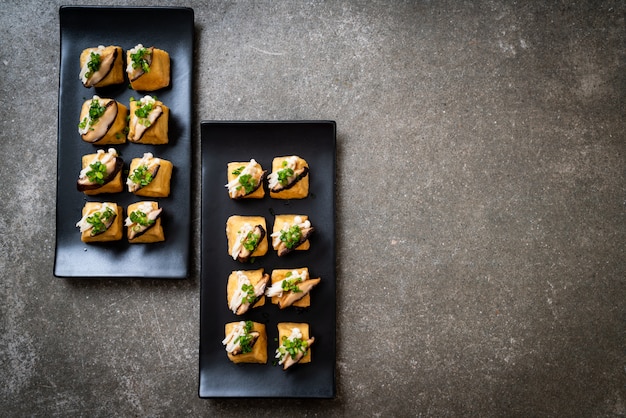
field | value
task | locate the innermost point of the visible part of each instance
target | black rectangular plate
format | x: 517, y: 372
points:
x: 223, y: 142
x: 167, y: 28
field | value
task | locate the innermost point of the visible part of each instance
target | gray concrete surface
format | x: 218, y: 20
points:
x: 481, y: 211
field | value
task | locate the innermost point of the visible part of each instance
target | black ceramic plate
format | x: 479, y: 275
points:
x: 170, y: 29
x: 223, y: 142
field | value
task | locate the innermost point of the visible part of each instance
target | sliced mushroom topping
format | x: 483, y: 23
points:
x: 144, y: 173
x: 141, y: 219
x: 290, y: 361
x: 248, y: 239
x: 246, y: 295
x: 100, y: 171
x: 91, y: 77
x: 289, y: 298
x: 102, y: 114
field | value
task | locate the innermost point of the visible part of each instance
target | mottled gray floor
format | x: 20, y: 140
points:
x: 481, y: 211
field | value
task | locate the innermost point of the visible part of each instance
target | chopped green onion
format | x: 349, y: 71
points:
x: 98, y: 172
x: 141, y: 175
x: 291, y: 237
x: 141, y: 218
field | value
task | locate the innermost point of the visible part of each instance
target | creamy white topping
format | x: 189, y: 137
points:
x: 241, y: 236
x: 85, y: 69
x: 83, y: 224
x: 147, y: 99
x: 239, y: 294
x: 276, y: 289
x: 237, y: 331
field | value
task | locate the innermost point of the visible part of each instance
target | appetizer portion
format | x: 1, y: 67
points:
x: 247, y: 237
x: 295, y: 344
x: 101, y: 66
x: 103, y: 121
x: 144, y: 223
x: 245, y: 342
x: 245, y: 290
x: 101, y: 222
x: 245, y: 180
x: 291, y: 232
x: 149, y: 176
x: 289, y: 178
x: 148, y: 69
x: 101, y: 173
x: 291, y: 287
x: 149, y: 121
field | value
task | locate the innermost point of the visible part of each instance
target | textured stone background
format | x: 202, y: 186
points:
x: 481, y: 211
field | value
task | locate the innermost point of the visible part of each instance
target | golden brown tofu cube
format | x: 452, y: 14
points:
x: 105, y: 70
x: 107, y: 129
x: 238, y: 190
x: 299, y: 189
x: 140, y: 234
x: 237, y: 223
x: 112, y: 233
x: 160, y: 184
x: 156, y: 77
x: 148, y: 127
x: 254, y: 276
x: 284, y: 330
x: 259, y: 349
x: 115, y: 185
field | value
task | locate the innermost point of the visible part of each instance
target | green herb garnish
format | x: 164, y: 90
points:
x: 291, y: 285
x: 141, y: 175
x: 98, y: 221
x: 247, y: 182
x: 139, y: 59
x: 238, y: 171
x: 245, y: 340
x: 95, y: 112
x: 291, y: 237
x: 141, y: 218
x: 284, y: 174
x: 249, y: 297
x: 93, y: 64
x: 142, y: 112
x: 292, y: 347
x: 98, y: 172
x: 251, y: 241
